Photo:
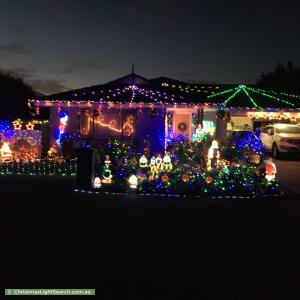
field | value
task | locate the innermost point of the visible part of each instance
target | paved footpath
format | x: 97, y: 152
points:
x: 289, y: 172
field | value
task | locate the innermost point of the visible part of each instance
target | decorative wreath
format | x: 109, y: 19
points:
x: 182, y: 126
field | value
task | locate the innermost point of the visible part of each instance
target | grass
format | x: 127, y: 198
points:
x: 147, y: 247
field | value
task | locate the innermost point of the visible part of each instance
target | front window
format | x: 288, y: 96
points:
x: 288, y: 129
x: 109, y: 123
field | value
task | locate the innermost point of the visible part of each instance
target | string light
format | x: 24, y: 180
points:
x: 40, y: 167
x: 17, y: 124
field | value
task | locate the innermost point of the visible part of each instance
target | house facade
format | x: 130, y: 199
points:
x: 160, y: 109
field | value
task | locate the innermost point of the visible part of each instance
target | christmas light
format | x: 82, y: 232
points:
x: 271, y: 169
x: 30, y: 126
x: 231, y: 96
x: 40, y: 167
x: 166, y: 163
x: 213, y: 154
x: 63, y: 122
x: 143, y: 162
x: 293, y: 116
x: 17, y: 124
x: 97, y: 183
x: 133, y: 181
x: 5, y: 152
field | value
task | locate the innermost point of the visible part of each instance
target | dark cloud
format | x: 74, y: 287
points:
x: 48, y: 87
x: 191, y: 77
x: 13, y: 49
x: 81, y: 67
x: 24, y: 71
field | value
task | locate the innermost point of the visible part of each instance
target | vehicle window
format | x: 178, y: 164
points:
x: 268, y: 129
x: 288, y: 129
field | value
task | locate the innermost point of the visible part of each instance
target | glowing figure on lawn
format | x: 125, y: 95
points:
x: 5, y: 152
x: 166, y: 163
x: 53, y: 151
x: 97, y: 183
x: 213, y: 156
x: 143, y: 162
x: 133, y: 181
x: 271, y: 169
x: 106, y: 174
x: 158, y: 161
x: 152, y: 167
x: 63, y: 122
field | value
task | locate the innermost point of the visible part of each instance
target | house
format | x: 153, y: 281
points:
x: 160, y: 108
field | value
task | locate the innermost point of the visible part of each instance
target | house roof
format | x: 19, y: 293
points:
x: 134, y: 88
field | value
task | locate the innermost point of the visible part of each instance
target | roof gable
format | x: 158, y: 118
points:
x: 130, y: 79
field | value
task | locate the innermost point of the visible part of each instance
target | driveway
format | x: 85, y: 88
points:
x: 289, y: 172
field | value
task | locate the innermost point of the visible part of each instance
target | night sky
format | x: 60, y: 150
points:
x: 63, y: 44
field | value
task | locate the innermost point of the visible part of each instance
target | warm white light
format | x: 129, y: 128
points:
x: 133, y: 181
x: 5, y: 152
x: 213, y: 150
x: 143, y: 161
x: 166, y: 163
x: 97, y: 182
x: 271, y: 169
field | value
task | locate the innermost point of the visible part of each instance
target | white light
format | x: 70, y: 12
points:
x: 97, y: 182
x: 133, y: 181
x: 271, y: 169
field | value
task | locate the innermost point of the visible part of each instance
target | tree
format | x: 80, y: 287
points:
x: 283, y: 78
x: 14, y: 93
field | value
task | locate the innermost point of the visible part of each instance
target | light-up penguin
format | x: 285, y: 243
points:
x: 152, y: 167
x: 158, y: 162
x: 166, y: 163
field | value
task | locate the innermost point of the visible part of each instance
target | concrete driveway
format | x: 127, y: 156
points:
x: 289, y: 172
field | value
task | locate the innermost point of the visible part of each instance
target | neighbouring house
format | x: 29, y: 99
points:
x: 161, y: 108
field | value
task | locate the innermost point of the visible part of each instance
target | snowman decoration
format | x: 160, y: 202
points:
x: 133, y: 181
x: 166, y: 163
x: 107, y: 176
x: 97, y: 183
x: 143, y: 162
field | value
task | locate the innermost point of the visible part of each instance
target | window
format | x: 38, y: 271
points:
x: 86, y: 122
x: 109, y: 123
x: 288, y: 129
x: 268, y: 130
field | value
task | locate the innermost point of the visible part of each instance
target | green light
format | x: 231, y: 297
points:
x: 278, y: 93
x: 232, y: 96
x: 270, y: 96
x: 254, y: 103
x: 221, y: 93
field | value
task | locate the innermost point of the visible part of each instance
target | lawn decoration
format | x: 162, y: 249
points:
x: 5, y: 152
x: 271, y: 169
